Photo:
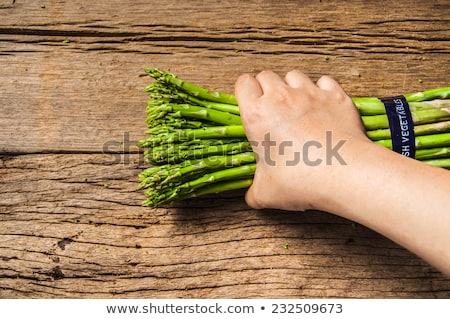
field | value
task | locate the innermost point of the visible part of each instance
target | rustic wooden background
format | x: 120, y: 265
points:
x: 72, y: 108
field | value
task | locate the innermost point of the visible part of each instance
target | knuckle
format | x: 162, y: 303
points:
x: 252, y: 113
x: 342, y: 98
x: 282, y: 95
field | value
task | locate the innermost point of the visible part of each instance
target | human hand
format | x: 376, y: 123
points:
x: 300, y: 133
x: 340, y: 170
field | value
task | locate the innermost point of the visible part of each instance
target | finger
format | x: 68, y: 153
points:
x: 269, y: 81
x: 297, y: 79
x: 247, y: 90
x: 327, y: 83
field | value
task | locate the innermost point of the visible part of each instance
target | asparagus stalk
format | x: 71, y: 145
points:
x: 213, y: 132
x: 159, y: 91
x: 424, y: 141
x: 438, y: 93
x: 425, y: 129
x: 176, y: 153
x: 192, y: 112
x: 192, y: 89
x: 440, y: 162
x: 374, y: 106
x: 419, y: 117
x: 174, y: 192
x: 432, y: 153
x: 210, y: 189
x: 173, y: 173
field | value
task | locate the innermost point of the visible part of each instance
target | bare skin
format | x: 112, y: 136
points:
x: 401, y: 198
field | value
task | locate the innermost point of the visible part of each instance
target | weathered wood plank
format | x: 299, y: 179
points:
x: 77, y: 96
x: 71, y: 225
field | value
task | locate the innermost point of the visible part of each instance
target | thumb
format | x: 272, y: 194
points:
x: 250, y: 198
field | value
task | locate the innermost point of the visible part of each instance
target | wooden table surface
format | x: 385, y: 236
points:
x: 72, y: 108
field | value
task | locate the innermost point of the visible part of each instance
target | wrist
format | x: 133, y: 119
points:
x: 341, y: 185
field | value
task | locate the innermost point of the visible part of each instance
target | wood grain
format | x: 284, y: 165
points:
x: 72, y: 108
x: 77, y: 96
x: 72, y: 226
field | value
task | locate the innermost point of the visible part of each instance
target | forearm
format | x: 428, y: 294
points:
x: 403, y: 199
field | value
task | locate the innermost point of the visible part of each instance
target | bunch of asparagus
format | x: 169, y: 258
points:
x: 197, y: 145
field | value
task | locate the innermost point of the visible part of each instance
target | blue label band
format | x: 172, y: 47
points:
x: 401, y: 125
